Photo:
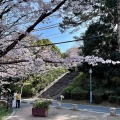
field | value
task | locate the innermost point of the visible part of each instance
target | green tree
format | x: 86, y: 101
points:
x: 107, y: 45
x: 100, y: 46
x: 48, y: 42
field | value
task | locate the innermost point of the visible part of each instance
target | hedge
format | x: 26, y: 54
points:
x: 112, y: 99
x: 98, y: 95
x: 79, y: 94
x: 117, y: 91
x: 118, y: 100
x: 27, y: 90
x: 67, y: 92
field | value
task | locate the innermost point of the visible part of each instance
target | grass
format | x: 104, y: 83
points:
x: 4, y: 112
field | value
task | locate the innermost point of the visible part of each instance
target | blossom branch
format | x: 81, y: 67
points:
x: 13, y: 62
x: 43, y: 16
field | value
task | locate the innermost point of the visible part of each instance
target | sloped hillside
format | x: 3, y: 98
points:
x: 55, y: 90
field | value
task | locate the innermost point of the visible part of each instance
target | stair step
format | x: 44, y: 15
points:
x: 57, y: 88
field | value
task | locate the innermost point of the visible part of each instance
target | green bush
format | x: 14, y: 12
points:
x: 108, y: 93
x: 79, y: 94
x: 15, y: 88
x: 77, y: 80
x: 42, y: 104
x: 67, y: 92
x: 27, y: 90
x: 33, y: 91
x: 112, y: 99
x: 117, y: 91
x: 82, y: 80
x: 98, y: 95
x: 40, y: 87
x: 118, y: 100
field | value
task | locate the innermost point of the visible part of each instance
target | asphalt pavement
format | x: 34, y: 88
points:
x: 97, y: 109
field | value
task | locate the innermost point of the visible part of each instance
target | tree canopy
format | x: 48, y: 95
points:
x: 47, y: 42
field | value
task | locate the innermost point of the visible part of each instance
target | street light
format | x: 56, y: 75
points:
x: 90, y: 71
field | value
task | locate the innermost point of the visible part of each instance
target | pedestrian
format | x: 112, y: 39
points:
x: 14, y: 99
x: 18, y: 98
x: 62, y: 97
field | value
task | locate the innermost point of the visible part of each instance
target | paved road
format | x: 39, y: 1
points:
x: 99, y: 109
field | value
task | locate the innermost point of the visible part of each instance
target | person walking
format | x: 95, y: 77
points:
x: 18, y: 98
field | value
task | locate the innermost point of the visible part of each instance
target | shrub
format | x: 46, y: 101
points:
x: 27, y: 92
x: 98, y: 95
x: 42, y: 104
x: 108, y: 93
x: 33, y: 91
x: 79, y: 94
x: 112, y: 99
x: 67, y: 92
x: 117, y: 91
x: 77, y: 80
x: 40, y: 87
x: 97, y: 98
x: 14, y: 88
x: 118, y: 100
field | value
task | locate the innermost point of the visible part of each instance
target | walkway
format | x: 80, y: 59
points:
x: 25, y: 113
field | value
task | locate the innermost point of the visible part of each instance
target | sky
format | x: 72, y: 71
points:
x: 54, y: 35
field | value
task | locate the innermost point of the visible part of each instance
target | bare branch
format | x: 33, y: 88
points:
x: 49, y: 61
x: 12, y: 62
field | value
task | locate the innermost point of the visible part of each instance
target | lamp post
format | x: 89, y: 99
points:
x: 90, y: 71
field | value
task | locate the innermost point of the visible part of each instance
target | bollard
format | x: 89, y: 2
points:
x: 112, y: 111
x: 58, y: 105
x: 74, y: 106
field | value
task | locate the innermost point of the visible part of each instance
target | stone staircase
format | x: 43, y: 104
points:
x: 55, y: 90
